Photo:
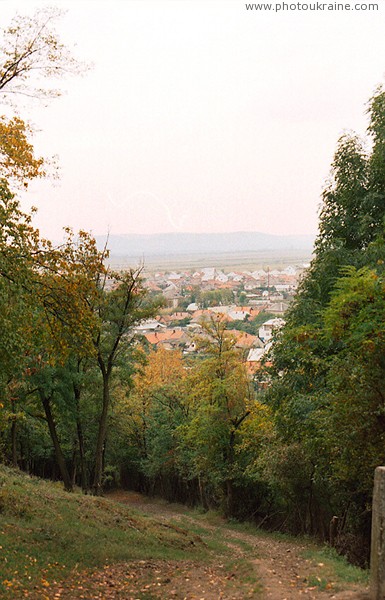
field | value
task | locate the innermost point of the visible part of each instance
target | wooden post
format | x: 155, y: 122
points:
x: 377, y: 553
x: 333, y: 531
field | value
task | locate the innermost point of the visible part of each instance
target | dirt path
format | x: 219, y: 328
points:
x: 254, y: 566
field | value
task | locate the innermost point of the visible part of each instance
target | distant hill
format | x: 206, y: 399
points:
x: 171, y: 244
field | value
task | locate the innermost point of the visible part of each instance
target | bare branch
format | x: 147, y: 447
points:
x: 31, y: 51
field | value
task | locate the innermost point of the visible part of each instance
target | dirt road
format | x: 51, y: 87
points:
x: 242, y: 565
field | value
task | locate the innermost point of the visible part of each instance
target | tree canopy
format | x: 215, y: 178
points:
x: 31, y: 55
x: 327, y: 376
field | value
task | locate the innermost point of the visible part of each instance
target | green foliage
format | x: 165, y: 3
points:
x: 328, y: 365
x: 219, y: 297
x: 251, y: 325
x: 186, y: 423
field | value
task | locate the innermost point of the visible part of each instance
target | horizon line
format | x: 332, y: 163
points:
x: 313, y: 234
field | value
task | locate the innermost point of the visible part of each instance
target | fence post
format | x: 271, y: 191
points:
x: 377, y: 552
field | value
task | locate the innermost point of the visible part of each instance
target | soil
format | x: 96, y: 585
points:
x: 260, y: 567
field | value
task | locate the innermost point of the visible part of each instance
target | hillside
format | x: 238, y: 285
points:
x: 47, y: 533
x: 169, y: 244
x: 60, y: 545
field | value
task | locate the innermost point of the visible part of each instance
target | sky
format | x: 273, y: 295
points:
x: 200, y: 116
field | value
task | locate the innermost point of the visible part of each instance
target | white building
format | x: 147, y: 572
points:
x: 220, y: 276
x: 192, y: 307
x: 266, y: 330
x: 208, y: 274
x: 149, y: 325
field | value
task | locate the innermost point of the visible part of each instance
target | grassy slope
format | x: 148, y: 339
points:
x: 45, y: 532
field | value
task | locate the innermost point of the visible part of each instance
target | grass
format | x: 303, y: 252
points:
x: 243, y: 571
x: 334, y: 567
x: 327, y: 569
x: 324, y: 557
x: 318, y: 582
x: 45, y: 533
x: 213, y: 538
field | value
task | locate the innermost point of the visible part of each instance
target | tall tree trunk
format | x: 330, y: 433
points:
x: 14, y: 434
x: 229, y: 498
x: 97, y: 483
x: 79, y: 429
x: 83, y: 472
x: 60, y: 460
x: 74, y: 464
x: 14, y: 442
x: 200, y: 488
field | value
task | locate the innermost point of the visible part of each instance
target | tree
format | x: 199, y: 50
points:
x: 355, y: 320
x: 68, y: 292
x: 17, y: 160
x: 327, y: 391
x: 47, y: 295
x: 39, y: 288
x: 242, y: 298
x: 19, y: 243
x: 30, y: 52
x: 118, y: 309
x: 150, y: 414
x: 29, y: 47
x: 221, y: 397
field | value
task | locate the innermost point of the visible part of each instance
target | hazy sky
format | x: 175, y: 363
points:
x: 200, y: 115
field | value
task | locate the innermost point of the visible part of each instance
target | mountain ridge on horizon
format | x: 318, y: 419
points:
x: 177, y: 243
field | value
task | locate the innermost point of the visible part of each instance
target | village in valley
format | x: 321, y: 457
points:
x: 251, y: 303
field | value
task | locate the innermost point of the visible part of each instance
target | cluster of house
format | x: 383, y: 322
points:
x: 165, y: 332
x: 268, y: 290
x: 276, y: 284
